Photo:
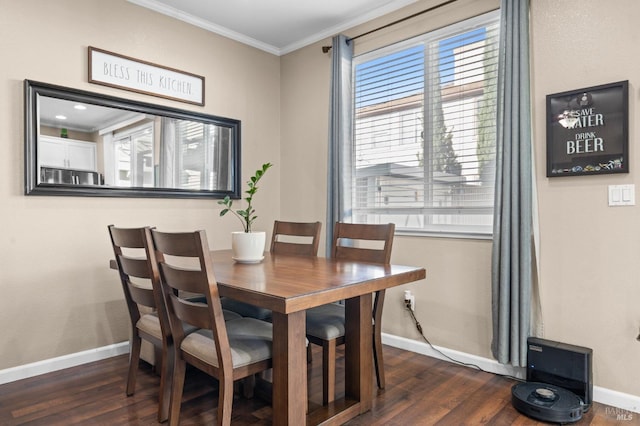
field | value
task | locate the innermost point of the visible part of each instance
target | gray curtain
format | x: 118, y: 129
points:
x: 512, y: 257
x: 340, y: 133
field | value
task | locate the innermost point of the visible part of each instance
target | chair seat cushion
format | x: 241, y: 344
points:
x: 230, y: 315
x: 245, y: 309
x: 150, y: 324
x: 326, y: 322
x: 251, y: 340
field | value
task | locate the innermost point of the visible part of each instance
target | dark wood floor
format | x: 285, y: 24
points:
x: 420, y: 391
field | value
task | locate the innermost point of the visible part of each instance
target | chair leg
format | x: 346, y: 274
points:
x: 157, y: 359
x: 248, y: 386
x: 134, y: 360
x: 309, y: 354
x: 177, y: 387
x: 166, y: 378
x: 328, y: 371
x: 225, y: 401
x: 378, y: 359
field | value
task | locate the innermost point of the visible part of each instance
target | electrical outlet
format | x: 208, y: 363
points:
x: 409, y: 300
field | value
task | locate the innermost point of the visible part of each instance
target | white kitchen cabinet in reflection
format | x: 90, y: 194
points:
x: 67, y: 153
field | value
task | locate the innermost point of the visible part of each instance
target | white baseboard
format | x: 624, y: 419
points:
x: 623, y: 401
x: 54, y: 364
x: 617, y: 399
x: 602, y: 395
x: 486, y: 364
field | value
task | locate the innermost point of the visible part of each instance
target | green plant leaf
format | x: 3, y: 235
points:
x: 246, y: 216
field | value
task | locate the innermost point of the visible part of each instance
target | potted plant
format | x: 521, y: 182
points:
x: 248, y: 246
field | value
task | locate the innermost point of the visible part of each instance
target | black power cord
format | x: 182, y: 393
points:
x: 407, y: 305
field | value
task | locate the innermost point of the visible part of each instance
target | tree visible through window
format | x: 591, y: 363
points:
x: 424, y: 131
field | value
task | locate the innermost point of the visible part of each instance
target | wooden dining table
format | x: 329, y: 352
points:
x: 288, y: 286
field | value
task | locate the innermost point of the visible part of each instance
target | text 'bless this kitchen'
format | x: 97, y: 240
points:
x: 115, y: 70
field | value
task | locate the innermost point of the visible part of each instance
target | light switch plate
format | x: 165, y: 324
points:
x: 622, y: 195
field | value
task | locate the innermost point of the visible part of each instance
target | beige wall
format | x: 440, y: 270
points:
x: 53, y: 250
x: 589, y: 251
x: 588, y: 268
x: 58, y: 295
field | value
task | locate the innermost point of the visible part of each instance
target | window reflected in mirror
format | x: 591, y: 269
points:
x: 81, y: 143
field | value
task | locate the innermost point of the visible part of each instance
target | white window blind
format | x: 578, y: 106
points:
x: 195, y: 155
x: 194, y: 173
x: 424, y: 131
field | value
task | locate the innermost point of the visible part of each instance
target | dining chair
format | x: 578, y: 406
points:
x: 294, y: 238
x: 136, y: 264
x: 227, y: 351
x: 139, y: 277
x: 326, y: 324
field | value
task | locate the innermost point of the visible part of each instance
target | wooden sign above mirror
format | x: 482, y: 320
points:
x: 90, y: 144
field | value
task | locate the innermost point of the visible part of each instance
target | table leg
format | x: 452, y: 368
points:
x: 358, y: 351
x: 289, y: 369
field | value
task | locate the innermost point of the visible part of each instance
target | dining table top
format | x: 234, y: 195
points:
x: 286, y: 283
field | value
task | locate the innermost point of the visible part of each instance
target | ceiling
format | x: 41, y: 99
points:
x: 59, y: 113
x: 275, y: 26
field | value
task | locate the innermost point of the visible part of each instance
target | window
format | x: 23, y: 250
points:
x: 134, y: 157
x: 193, y: 154
x: 424, y: 131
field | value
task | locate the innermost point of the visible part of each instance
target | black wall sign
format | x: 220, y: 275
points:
x: 587, y: 131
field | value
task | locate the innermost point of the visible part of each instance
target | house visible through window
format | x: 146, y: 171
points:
x: 424, y: 131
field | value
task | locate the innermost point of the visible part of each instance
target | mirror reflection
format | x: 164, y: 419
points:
x: 90, y: 144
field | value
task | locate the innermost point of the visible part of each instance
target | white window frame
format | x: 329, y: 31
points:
x: 413, y: 226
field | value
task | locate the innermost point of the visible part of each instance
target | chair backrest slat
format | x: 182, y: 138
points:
x: 196, y: 314
x: 142, y: 296
x: 183, y: 244
x: 360, y: 254
x: 135, y: 267
x: 182, y: 279
x: 305, y: 241
x: 350, y: 242
x: 127, y: 237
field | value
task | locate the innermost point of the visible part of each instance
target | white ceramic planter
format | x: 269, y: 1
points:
x: 248, y: 247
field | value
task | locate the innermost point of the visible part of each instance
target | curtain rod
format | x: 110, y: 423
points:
x: 325, y: 49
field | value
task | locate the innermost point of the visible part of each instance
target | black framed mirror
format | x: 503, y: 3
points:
x: 90, y: 144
